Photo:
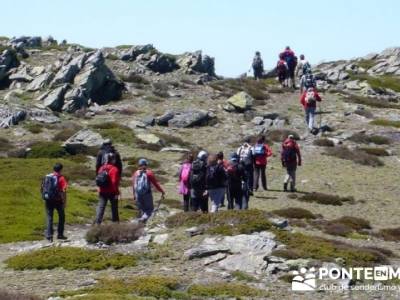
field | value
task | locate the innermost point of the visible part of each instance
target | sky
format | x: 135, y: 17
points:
x: 229, y: 30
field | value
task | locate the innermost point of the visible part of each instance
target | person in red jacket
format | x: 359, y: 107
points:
x: 261, y: 153
x: 291, y: 61
x: 110, y: 192
x: 142, y: 180
x: 309, y: 101
x: 291, y: 158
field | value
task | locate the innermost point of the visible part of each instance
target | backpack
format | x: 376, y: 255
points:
x: 103, y: 178
x: 142, y: 184
x: 197, y: 175
x: 233, y: 173
x: 309, y: 81
x: 306, y: 68
x: 259, y: 150
x: 290, y: 61
x: 185, y: 173
x: 310, y: 98
x: 104, y: 154
x: 257, y: 63
x: 289, y: 152
x: 49, y: 188
x: 281, y: 67
x: 246, y: 156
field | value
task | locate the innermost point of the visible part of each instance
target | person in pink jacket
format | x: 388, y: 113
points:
x: 184, y: 182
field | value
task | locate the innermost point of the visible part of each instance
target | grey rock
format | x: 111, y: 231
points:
x: 21, y: 75
x: 296, y: 264
x: 55, y: 99
x: 74, y: 100
x: 195, y: 62
x: 135, y: 51
x: 175, y: 149
x: 149, y: 121
x: 12, y: 119
x: 279, y: 123
x: 68, y: 72
x: 84, y: 138
x: 189, y: 118
x: 258, y: 121
x: 193, y: 231
x: 8, y: 60
x: 160, y: 239
x: 279, y: 223
x: 204, y: 251
x: 162, y: 63
x: 40, y: 82
x: 214, y: 258
x: 43, y: 116
x: 26, y: 41
x: 241, y: 101
x: 252, y: 262
x: 163, y: 120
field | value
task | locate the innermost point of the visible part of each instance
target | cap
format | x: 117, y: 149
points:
x: 202, y: 154
x: 291, y: 136
x: 107, y: 141
x: 143, y: 162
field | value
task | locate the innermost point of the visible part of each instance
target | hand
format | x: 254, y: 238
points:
x: 163, y: 195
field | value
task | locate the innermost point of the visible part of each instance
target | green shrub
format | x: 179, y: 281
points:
x: 116, y: 132
x: 46, y: 150
x: 239, y: 275
x: 368, y: 138
x: 114, y: 233
x: 356, y: 155
x: 65, y: 134
x: 375, y: 151
x: 122, y: 47
x: 390, y: 234
x: 386, y: 123
x: 69, y: 258
x: 294, y: 213
x: 326, y: 199
x: 324, y: 143
x: 225, y: 290
x: 34, y: 127
x: 279, y: 135
x: 224, y: 222
x: 6, y: 295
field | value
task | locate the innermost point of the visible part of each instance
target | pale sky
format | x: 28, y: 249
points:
x: 229, y: 30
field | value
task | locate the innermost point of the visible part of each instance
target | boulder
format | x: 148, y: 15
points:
x: 74, y: 100
x: 163, y: 120
x: 21, y: 75
x: 214, y: 258
x: 197, y: 63
x: 204, y: 251
x: 43, y: 116
x: 40, y: 82
x: 55, y: 99
x: 12, y: 119
x: 162, y: 63
x: 160, y: 239
x: 68, y: 72
x: 83, y: 139
x: 8, y: 60
x: 135, y: 51
x: 241, y: 101
x: 26, y: 41
x: 253, y: 262
x: 189, y: 118
x: 150, y: 138
x: 258, y: 121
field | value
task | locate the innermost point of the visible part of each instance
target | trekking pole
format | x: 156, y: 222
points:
x: 157, y: 208
x: 320, y: 115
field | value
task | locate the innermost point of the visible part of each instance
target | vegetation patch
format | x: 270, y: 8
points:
x: 389, y: 234
x: 6, y: 295
x: 375, y: 151
x: 66, y: 133
x: 5, y: 144
x: 294, y: 213
x: 324, y: 143
x: 379, y: 82
x: 221, y: 290
x: 154, y: 99
x: 46, y: 150
x: 34, y: 127
x: 372, y: 102
x: 386, y: 123
x: 279, y: 135
x: 116, y: 132
x: 346, y: 226
x: 369, y: 138
x: 224, y: 222
x: 366, y: 63
x: 134, y: 78
x: 242, y: 276
x: 70, y: 258
x: 114, y: 233
x: 172, y: 203
x: 326, y: 199
x: 229, y: 87
x: 356, y: 155
x: 304, y: 246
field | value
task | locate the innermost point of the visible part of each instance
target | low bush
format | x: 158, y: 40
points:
x: 116, y: 132
x: 70, y: 258
x: 225, y: 222
x: 337, y: 229
x: 326, y: 199
x: 375, y: 151
x: 46, y: 150
x: 65, y: 134
x: 380, y: 82
x: 34, y: 127
x: 239, y: 275
x: 279, y: 135
x: 114, y: 233
x: 324, y: 143
x: 134, y: 78
x: 294, y: 213
x: 6, y: 295
x: 372, y: 102
x: 369, y: 138
x: 389, y: 234
x: 386, y: 123
x: 356, y: 155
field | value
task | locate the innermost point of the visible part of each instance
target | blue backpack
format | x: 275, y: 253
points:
x: 49, y: 188
x: 259, y: 150
x: 142, y: 184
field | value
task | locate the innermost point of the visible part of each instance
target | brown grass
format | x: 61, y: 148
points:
x: 357, y: 156
x: 279, y: 135
x: 324, y: 143
x: 326, y: 199
x: 389, y: 234
x: 114, y: 233
x: 369, y: 138
x: 6, y: 295
x: 375, y: 151
x: 295, y: 213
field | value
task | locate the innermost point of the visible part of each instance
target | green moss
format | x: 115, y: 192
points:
x: 239, y: 275
x: 34, y: 127
x: 220, y: 290
x: 386, y: 123
x: 294, y: 212
x: 375, y: 151
x: 47, y: 150
x: 366, y: 63
x: 326, y: 199
x: 379, y: 82
x: 355, y: 155
x: 154, y: 99
x: 116, y: 132
x: 223, y: 222
x: 304, y: 246
x: 70, y: 258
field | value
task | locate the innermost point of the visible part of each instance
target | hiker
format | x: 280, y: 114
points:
x: 303, y: 67
x: 224, y: 163
x: 291, y: 158
x: 236, y: 177
x: 307, y: 81
x: 106, y: 148
x: 198, y: 192
x: 107, y: 180
x: 54, y: 193
x: 215, y: 182
x: 309, y: 101
x: 291, y: 61
x: 282, y: 70
x: 142, y: 180
x: 261, y: 153
x: 246, y: 158
x: 258, y: 66
x: 184, y: 182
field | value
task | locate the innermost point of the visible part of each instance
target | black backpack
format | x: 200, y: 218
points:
x: 309, y: 81
x: 103, y: 178
x: 215, y: 175
x: 198, y: 175
x: 289, y: 154
x: 257, y: 63
x: 49, y: 188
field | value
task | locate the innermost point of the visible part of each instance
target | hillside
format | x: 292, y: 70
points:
x: 59, y: 101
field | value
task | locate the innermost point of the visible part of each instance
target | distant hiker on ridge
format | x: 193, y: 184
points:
x: 309, y: 101
x: 303, y: 67
x: 258, y: 66
x: 282, y: 70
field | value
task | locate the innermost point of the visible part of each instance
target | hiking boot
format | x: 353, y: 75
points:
x: 293, y: 190
x: 251, y: 193
x: 50, y: 239
x: 62, y: 237
x: 285, y: 187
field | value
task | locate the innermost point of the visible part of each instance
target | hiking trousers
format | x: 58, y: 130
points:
x: 260, y: 171
x: 199, y: 201
x: 235, y: 198
x: 59, y: 207
x: 145, y: 205
x: 310, y: 116
x: 187, y: 205
x: 290, y: 177
x: 103, y: 199
x: 217, y: 197
x: 258, y: 73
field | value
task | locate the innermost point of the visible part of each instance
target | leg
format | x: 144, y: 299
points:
x: 307, y: 111
x: 100, y: 209
x: 264, y: 177
x: 238, y: 199
x: 49, y: 213
x: 293, y: 180
x: 114, y: 208
x: 204, y: 204
x: 186, y: 202
x: 286, y: 180
x: 61, y: 220
x: 311, y: 118
x: 256, y: 177
x: 230, y: 198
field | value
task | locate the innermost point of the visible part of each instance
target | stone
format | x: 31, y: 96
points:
x: 195, y: 62
x: 204, y: 251
x: 189, y: 118
x: 163, y: 119
x: 84, y: 138
x: 214, y: 258
x: 241, y: 101
x: 353, y: 85
x: 8, y: 60
x: 150, y: 138
x: 74, y: 100
x: 279, y: 223
x: 55, y: 99
x: 193, y: 231
x: 135, y: 51
x: 40, y: 82
x: 162, y: 63
x: 258, y: 121
x: 252, y: 262
x: 149, y: 121
x: 13, y: 119
x: 68, y: 72
x: 21, y: 75
x: 43, y: 116
x: 160, y: 239
x: 175, y: 149
x: 279, y: 123
x: 296, y: 264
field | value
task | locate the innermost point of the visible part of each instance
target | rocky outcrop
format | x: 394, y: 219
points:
x: 135, y: 51
x: 162, y: 63
x: 8, y: 60
x: 239, y: 102
x: 83, y: 139
x: 189, y: 118
x: 197, y: 63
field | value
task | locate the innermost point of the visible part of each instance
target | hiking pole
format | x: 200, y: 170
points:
x: 156, y: 209
x: 320, y: 116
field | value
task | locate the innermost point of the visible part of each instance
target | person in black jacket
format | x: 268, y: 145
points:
x: 105, y: 149
x: 197, y: 181
x: 215, y: 181
x: 236, y: 180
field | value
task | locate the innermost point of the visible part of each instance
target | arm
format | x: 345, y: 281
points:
x: 63, y: 189
x: 317, y: 96
x: 268, y: 151
x: 118, y: 163
x: 154, y: 181
x: 303, y: 99
x: 114, y: 178
x: 298, y: 155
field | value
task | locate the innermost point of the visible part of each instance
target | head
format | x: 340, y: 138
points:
x: 212, y: 160
x: 281, y: 56
x: 220, y: 155
x: 287, y: 48
x: 110, y: 158
x: 234, y: 157
x: 58, y: 167
x: 143, y: 163
x: 261, y: 139
x: 189, y: 157
x: 247, y: 140
x: 258, y: 53
x: 291, y: 137
x: 107, y: 142
x: 310, y: 90
x: 302, y: 57
x: 202, y: 155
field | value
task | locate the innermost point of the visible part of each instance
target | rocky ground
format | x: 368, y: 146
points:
x: 159, y: 106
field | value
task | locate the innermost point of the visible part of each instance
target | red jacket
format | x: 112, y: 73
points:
x: 261, y: 160
x: 308, y: 105
x: 150, y: 177
x: 287, y: 53
x: 291, y: 163
x: 113, y: 173
x: 62, y: 182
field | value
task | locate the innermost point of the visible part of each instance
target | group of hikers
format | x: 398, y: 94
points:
x: 289, y: 70
x: 202, y: 177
